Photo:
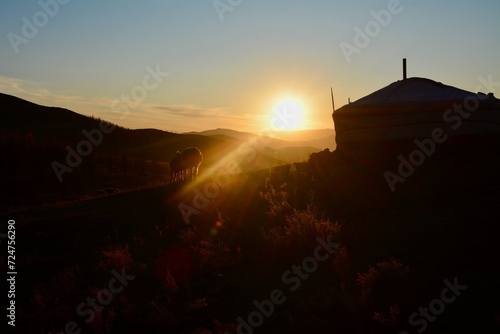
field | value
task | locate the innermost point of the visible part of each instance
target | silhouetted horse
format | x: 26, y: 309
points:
x: 184, y: 166
x: 191, y: 160
x: 176, y: 170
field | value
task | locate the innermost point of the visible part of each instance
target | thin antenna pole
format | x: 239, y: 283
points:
x: 404, y: 68
x: 333, y: 102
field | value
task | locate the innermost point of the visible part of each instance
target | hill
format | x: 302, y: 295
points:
x: 66, y: 125
x: 40, y: 148
x: 318, y: 139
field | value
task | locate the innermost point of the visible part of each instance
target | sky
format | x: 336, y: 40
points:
x: 247, y: 65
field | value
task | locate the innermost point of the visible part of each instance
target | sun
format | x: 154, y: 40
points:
x: 288, y: 114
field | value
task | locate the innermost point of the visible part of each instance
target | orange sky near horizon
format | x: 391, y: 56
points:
x: 181, y: 67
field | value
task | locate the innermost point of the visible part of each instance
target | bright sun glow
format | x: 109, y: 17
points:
x: 288, y: 114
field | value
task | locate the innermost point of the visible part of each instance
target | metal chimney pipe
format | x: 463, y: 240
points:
x: 404, y: 68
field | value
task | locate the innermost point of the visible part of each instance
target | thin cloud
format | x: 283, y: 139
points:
x: 36, y: 93
x: 179, y: 117
x: 189, y: 110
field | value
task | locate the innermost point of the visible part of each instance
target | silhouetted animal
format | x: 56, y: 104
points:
x: 176, y: 168
x: 191, y: 160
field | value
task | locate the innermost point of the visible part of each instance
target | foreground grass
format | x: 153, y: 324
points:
x: 200, y: 278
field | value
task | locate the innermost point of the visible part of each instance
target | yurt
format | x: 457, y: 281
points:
x: 413, y: 108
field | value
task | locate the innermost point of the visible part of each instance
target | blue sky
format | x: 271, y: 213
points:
x: 232, y: 72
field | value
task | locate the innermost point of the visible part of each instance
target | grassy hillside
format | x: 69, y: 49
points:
x: 392, y: 257
x: 34, y: 138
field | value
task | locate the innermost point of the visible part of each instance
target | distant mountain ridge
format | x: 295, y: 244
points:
x: 43, y: 121
x: 318, y: 139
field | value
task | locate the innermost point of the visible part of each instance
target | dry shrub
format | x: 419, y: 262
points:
x: 383, y: 288
x: 211, y: 254
x: 391, y: 319
x: 300, y: 232
x: 381, y: 278
x: 116, y: 257
x: 218, y: 328
x: 197, y: 304
x: 170, y: 283
x: 277, y: 202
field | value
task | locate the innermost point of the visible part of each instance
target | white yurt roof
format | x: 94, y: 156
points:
x: 409, y: 95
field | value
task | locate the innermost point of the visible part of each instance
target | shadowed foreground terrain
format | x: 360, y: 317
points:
x: 422, y: 258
